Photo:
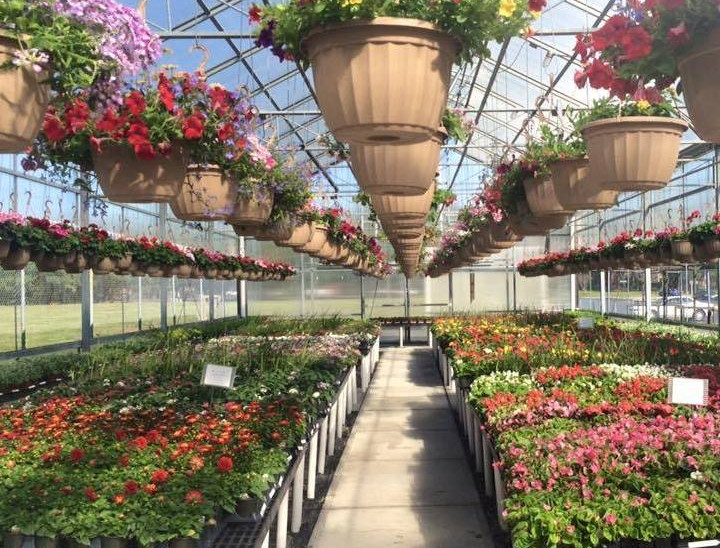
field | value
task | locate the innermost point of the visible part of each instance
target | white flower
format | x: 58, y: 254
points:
x: 293, y: 391
x: 316, y: 395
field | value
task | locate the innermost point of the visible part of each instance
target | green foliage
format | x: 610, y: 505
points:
x: 603, y: 109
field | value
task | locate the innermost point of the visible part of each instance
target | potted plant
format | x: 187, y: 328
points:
x: 705, y: 239
x: 632, y: 145
x: 292, y: 194
x: 351, y: 44
x: 63, y: 46
x: 15, y: 241
x: 55, y: 243
x: 644, y: 49
x: 102, y: 252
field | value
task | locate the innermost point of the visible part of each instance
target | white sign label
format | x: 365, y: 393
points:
x: 218, y: 375
x: 684, y: 391
x: 586, y: 323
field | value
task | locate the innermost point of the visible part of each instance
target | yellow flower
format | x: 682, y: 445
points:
x: 643, y: 105
x: 347, y: 3
x: 507, y: 8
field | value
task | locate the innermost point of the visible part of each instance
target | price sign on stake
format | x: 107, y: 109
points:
x: 586, y: 323
x: 684, y: 391
x: 218, y: 375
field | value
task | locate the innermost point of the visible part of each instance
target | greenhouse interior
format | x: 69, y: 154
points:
x: 359, y: 273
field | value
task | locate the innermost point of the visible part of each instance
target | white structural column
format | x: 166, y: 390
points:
x: 403, y: 479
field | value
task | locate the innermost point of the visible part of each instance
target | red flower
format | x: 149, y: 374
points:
x: 225, y: 464
x: 255, y: 13
x: 160, y: 476
x: 150, y: 488
x: 53, y: 128
x: 167, y: 97
x: 193, y: 127
x: 140, y: 442
x: 537, y: 5
x: 637, y: 43
x: 77, y: 115
x: 610, y: 33
x: 580, y: 78
x: 193, y: 497
x: 124, y: 461
x: 91, y: 495
x: 77, y: 455
x: 599, y: 74
x: 131, y: 487
x: 219, y: 98
x: 135, y: 103
x: 226, y: 131
x: 110, y: 122
x: 119, y: 499
x: 145, y: 151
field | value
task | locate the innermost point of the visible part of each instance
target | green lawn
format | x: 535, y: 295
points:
x: 58, y: 323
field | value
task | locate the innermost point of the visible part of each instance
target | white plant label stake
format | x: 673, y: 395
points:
x: 221, y: 376
x: 684, y: 391
x: 586, y: 323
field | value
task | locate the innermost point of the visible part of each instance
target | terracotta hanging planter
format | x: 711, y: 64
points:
x: 252, y: 210
x: 50, y: 263
x: 575, y: 189
x: 404, y: 170
x: 635, y: 153
x: 383, y: 80
x: 318, y: 240
x: 206, y: 195
x: 4, y: 248
x: 300, y: 236
x: 125, y: 178
x: 700, y: 80
x: 504, y: 236
x: 76, y: 262
x: 404, y: 207
x: 282, y: 230
x: 24, y: 98
x: 541, y: 197
x: 682, y: 251
x: 102, y: 266
x: 711, y: 248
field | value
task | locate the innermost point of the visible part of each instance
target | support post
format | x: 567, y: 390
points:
x: 282, y: 523
x: 450, y: 292
x: 603, y: 293
x: 332, y: 429
x: 162, y: 232
x: 322, y: 446
x: 86, y: 284
x: 312, y: 465
x: 298, y: 487
x: 648, y: 294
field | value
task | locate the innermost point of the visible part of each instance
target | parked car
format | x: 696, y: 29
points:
x: 679, y: 307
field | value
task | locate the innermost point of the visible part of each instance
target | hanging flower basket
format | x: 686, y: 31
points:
x: 541, y: 197
x: 363, y: 96
x: 4, y: 248
x: 405, y: 170
x: 300, y: 236
x: 125, y: 178
x: 23, y: 100
x: 503, y: 235
x: 700, y: 82
x: 711, y: 248
x: 682, y: 251
x: 76, y: 262
x: 105, y: 265
x: 49, y: 263
x: 404, y: 207
x: 576, y: 190
x: 207, y: 195
x: 252, y: 210
x: 316, y: 243
x: 634, y: 153
x: 281, y: 230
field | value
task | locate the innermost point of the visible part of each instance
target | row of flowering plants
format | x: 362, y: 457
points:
x: 137, y: 450
x: 62, y: 246
x: 590, y: 453
x: 639, y: 249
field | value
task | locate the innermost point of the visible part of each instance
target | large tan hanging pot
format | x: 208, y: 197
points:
x: 23, y: 100
x: 541, y: 197
x: 503, y: 235
x: 206, y: 195
x: 125, y: 178
x: 316, y: 243
x: 382, y: 80
x: 404, y: 170
x: 575, y: 188
x: 300, y: 236
x: 253, y: 210
x: 635, y: 153
x: 700, y: 79
x: 404, y: 207
x: 327, y: 251
x: 281, y: 230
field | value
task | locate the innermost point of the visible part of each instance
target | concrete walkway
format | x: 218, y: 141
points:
x: 403, y: 480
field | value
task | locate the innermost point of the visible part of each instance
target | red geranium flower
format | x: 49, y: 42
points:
x: 167, y: 97
x: 53, y: 128
x: 678, y: 35
x: 193, y: 497
x: 150, y: 488
x: 140, y: 442
x: 637, y: 43
x: 77, y: 115
x: 91, y: 495
x: 600, y: 74
x: 610, y: 33
x: 193, y: 127
x: 225, y: 464
x: 160, y: 476
x: 110, y: 122
x: 255, y: 13
x: 537, y: 5
x: 77, y: 455
x: 131, y: 487
x: 135, y: 103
